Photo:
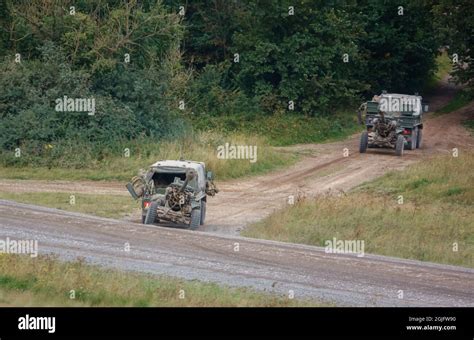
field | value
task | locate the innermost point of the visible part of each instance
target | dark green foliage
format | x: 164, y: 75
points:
x: 210, y: 95
x: 210, y: 26
x: 401, y: 45
x: 299, y: 57
x: 282, y: 58
x: 82, y: 56
x: 454, y: 21
x: 124, y: 107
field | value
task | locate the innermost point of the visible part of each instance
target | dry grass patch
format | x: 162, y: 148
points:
x: 437, y: 213
x: 45, y: 281
x: 201, y: 147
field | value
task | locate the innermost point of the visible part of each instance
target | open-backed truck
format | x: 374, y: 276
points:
x: 174, y: 191
x: 392, y: 121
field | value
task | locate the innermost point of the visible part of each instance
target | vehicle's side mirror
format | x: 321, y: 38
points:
x: 210, y: 176
x: 425, y: 108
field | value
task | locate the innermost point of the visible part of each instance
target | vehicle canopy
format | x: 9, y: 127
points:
x: 180, y: 167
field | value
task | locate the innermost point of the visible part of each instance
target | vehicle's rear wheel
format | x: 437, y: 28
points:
x: 413, y: 139
x: 418, y: 138
x: 195, y: 219
x: 400, y: 145
x: 364, y: 140
x: 203, y: 212
x: 143, y: 218
x: 151, y: 213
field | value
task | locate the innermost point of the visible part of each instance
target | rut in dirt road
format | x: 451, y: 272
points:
x: 283, y: 268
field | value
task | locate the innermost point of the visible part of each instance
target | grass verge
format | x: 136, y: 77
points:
x: 435, y: 221
x: 460, y: 99
x: 45, y: 281
x: 69, y: 161
x: 73, y: 164
x: 285, y: 128
x: 111, y: 206
x: 469, y: 124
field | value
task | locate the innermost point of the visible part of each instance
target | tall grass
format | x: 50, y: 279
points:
x: 74, y: 163
x: 281, y: 129
x: 460, y: 99
x: 436, y: 215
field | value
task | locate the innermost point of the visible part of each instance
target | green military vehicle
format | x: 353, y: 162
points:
x: 174, y: 192
x: 393, y: 121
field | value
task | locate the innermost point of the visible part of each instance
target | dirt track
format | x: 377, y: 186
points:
x: 326, y: 169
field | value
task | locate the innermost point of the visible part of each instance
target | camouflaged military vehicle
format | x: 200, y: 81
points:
x: 174, y: 191
x: 392, y: 121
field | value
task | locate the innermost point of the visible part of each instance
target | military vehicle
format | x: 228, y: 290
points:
x: 392, y: 121
x: 174, y: 191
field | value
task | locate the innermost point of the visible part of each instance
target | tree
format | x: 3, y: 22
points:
x: 455, y: 24
x: 307, y: 54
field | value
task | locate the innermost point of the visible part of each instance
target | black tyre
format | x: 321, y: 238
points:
x: 151, y: 213
x: 143, y: 218
x: 195, y: 219
x: 203, y: 212
x: 419, y: 138
x: 414, y: 137
x: 400, y: 145
x: 364, y: 140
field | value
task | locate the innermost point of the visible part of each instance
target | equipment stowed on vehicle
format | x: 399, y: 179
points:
x: 393, y: 121
x: 174, y: 191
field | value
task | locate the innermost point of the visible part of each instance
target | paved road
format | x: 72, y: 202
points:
x: 264, y: 265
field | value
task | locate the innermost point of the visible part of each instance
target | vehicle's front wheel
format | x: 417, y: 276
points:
x: 203, y: 212
x: 151, y: 213
x: 400, y: 145
x: 195, y: 219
